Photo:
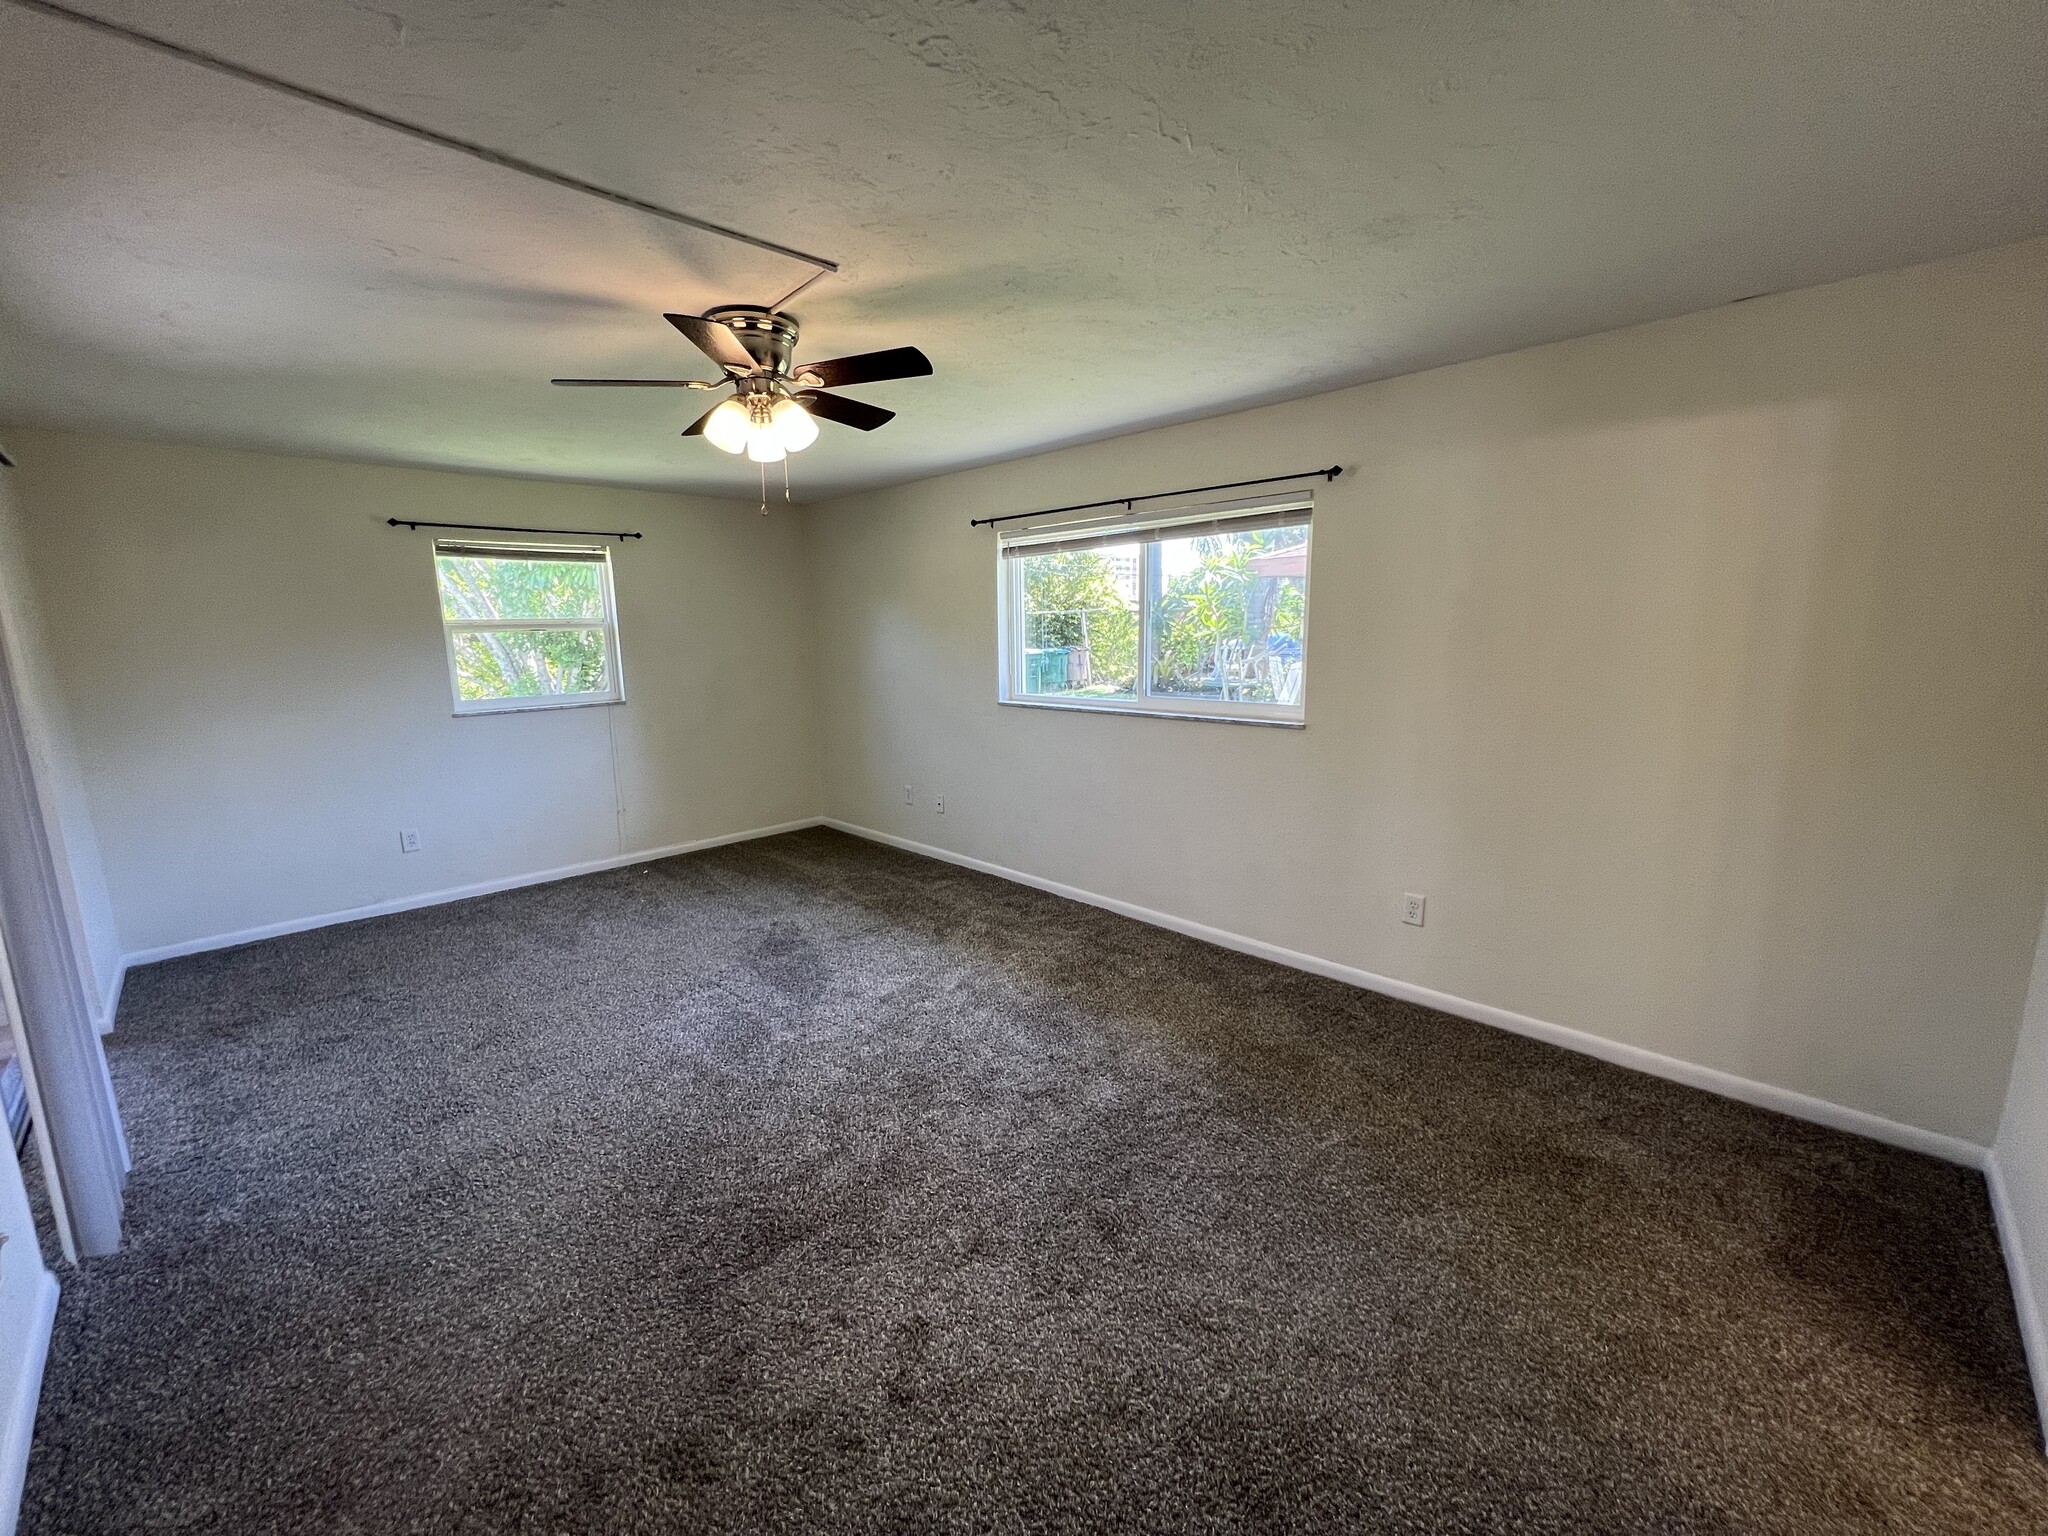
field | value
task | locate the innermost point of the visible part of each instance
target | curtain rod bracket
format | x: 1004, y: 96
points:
x: 1130, y: 503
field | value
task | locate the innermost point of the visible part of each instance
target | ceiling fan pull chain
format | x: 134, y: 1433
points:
x: 785, y: 479
x: 764, y: 489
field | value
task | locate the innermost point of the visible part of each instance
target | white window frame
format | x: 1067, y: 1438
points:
x: 1010, y: 646
x: 598, y: 555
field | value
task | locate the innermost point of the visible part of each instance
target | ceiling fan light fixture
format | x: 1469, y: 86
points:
x: 729, y: 428
x: 764, y: 447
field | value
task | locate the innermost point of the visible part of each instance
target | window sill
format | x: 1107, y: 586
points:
x: 532, y: 709
x: 1152, y: 714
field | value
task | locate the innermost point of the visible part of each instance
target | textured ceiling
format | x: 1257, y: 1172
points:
x: 1092, y: 217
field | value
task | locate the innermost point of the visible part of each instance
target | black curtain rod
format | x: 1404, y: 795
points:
x: 1127, y: 502
x: 574, y: 533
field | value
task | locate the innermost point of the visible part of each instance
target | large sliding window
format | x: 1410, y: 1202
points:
x: 1200, y: 611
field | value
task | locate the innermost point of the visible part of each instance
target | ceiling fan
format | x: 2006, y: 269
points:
x: 772, y: 409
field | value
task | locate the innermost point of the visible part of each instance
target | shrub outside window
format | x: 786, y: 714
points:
x: 1197, y: 612
x: 528, y: 626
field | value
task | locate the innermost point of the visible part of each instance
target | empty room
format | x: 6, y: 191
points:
x: 937, y: 765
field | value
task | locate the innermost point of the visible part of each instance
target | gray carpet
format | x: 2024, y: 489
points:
x: 807, y: 1186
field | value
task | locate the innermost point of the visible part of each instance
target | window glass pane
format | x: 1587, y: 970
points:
x: 529, y: 663
x: 1080, y: 637
x: 473, y: 587
x: 1227, y: 614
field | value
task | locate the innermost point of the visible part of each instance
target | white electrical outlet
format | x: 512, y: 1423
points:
x: 1411, y: 908
x: 939, y: 804
x: 409, y: 840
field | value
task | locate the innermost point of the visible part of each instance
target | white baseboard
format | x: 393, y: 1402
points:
x: 453, y: 893
x: 1769, y: 1096
x: 2025, y: 1299
x: 112, y: 1005
x: 18, y: 1402
x: 1785, y: 1101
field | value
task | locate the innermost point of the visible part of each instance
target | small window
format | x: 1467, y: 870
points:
x: 528, y: 626
x: 1198, y: 612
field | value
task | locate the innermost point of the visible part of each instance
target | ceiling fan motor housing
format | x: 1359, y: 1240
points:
x: 769, y: 337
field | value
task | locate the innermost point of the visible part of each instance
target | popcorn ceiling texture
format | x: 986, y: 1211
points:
x: 804, y: 1185
x: 1092, y: 217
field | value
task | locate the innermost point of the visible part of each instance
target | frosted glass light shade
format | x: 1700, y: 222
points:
x: 763, y: 446
x: 792, y: 424
x: 728, y: 427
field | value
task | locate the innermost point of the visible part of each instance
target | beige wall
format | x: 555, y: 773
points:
x: 46, y: 721
x: 253, y: 666
x: 1696, y: 673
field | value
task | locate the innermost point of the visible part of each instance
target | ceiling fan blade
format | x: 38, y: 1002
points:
x: 715, y: 341
x: 696, y: 428
x: 640, y: 383
x: 868, y: 368
x: 848, y: 413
